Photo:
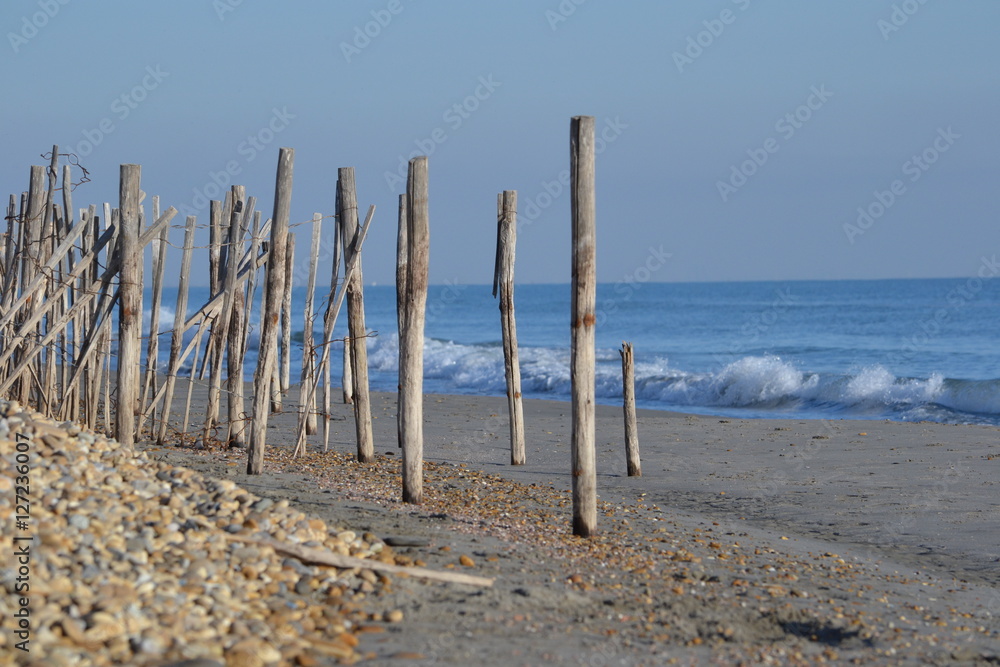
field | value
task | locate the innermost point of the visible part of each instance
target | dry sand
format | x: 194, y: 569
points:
x: 744, y: 540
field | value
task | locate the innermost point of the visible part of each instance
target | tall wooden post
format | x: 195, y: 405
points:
x: 411, y: 367
x: 583, y: 319
x: 503, y: 283
x: 348, y: 211
x: 177, y: 338
x: 129, y: 304
x: 236, y: 436
x: 159, y: 247
x: 229, y: 258
x: 286, y: 316
x: 307, y: 379
x: 273, y: 292
x: 329, y: 318
x: 401, y: 264
x: 628, y: 405
x: 31, y: 257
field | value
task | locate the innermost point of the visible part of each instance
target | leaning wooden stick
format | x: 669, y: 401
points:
x: 327, y: 557
x: 332, y: 311
x: 308, y: 349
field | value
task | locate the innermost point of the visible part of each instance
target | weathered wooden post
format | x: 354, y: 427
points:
x: 411, y: 368
x: 503, y: 282
x: 582, y: 321
x: 159, y: 245
x: 348, y: 212
x: 329, y: 318
x: 236, y: 332
x: 401, y: 264
x: 229, y: 257
x: 275, y: 287
x: 129, y: 304
x: 308, y: 377
x: 286, y: 316
x: 628, y: 405
x: 31, y: 257
x: 177, y: 337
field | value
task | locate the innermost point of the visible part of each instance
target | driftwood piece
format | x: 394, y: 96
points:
x: 327, y: 557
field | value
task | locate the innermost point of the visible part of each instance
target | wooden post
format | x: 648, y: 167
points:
x: 286, y: 316
x: 274, y: 290
x: 251, y: 288
x: 411, y: 368
x: 228, y: 260
x: 129, y: 304
x: 236, y: 432
x: 308, y: 377
x: 159, y: 245
x: 401, y: 264
x: 348, y: 211
x: 628, y: 405
x: 50, y: 236
x: 215, y: 277
x: 582, y: 320
x: 177, y: 338
x: 77, y: 395
x: 329, y: 318
x: 504, y: 280
x: 31, y: 257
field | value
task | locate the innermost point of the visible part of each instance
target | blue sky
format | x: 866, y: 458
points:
x: 746, y: 140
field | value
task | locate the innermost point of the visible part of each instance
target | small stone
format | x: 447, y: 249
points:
x: 262, y: 505
x: 79, y: 522
x: 394, y: 616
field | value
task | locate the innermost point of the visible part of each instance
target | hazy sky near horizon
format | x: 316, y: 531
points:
x: 738, y: 139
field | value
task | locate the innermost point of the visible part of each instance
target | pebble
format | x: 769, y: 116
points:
x: 143, y: 564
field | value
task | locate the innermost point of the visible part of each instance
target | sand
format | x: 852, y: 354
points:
x: 744, y: 540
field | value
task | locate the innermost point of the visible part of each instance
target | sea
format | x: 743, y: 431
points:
x: 902, y: 350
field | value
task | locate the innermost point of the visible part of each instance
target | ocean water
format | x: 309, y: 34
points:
x: 903, y: 350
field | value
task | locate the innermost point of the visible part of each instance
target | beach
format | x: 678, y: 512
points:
x: 743, y: 540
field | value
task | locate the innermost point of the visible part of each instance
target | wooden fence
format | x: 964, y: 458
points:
x: 71, y: 312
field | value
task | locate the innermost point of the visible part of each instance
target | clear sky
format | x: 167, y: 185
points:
x: 742, y: 139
